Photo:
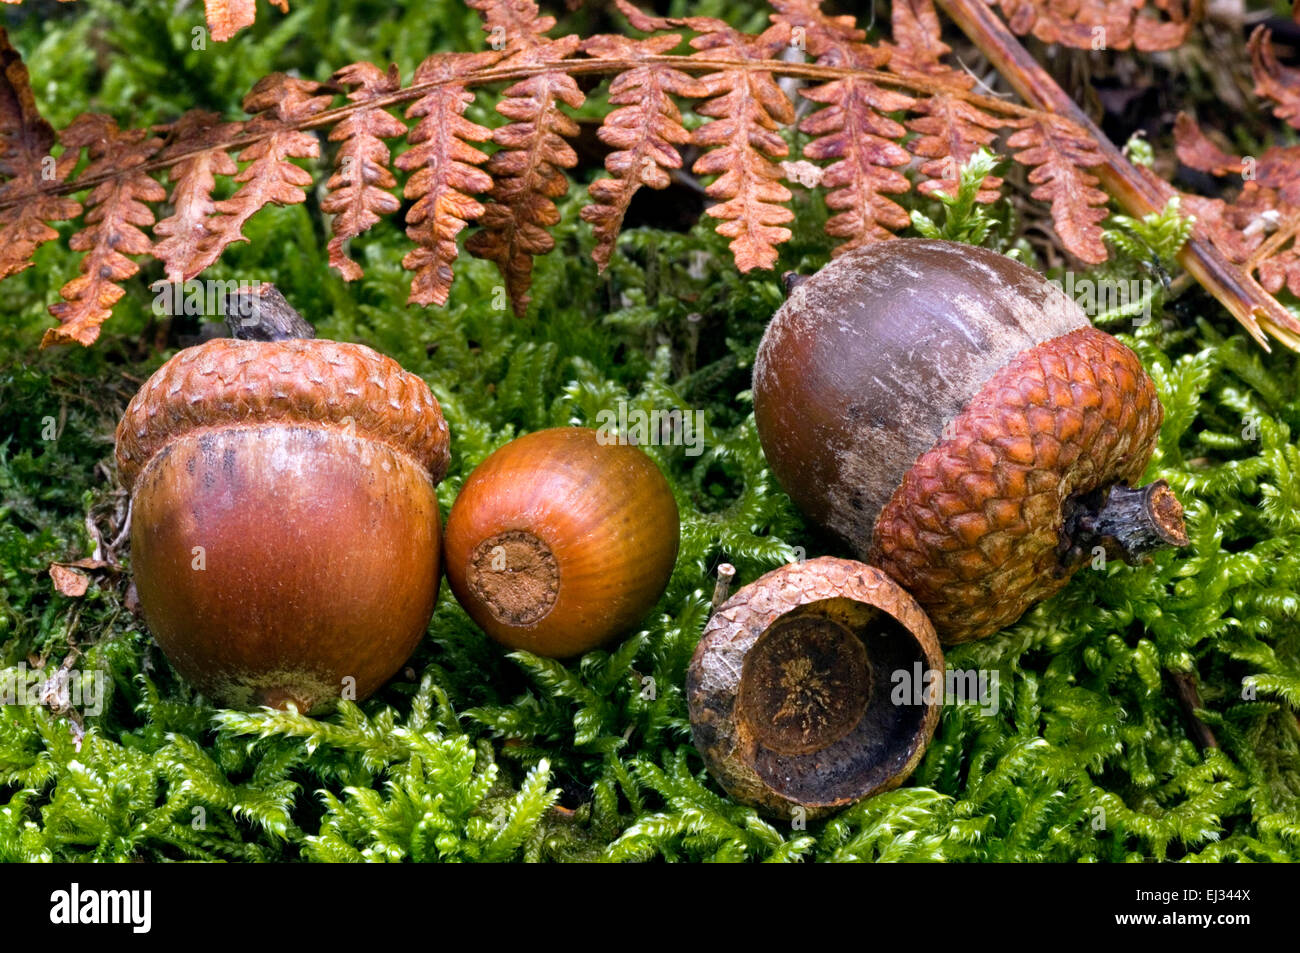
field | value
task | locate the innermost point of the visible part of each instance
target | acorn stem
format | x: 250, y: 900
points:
x: 791, y: 280
x: 1126, y: 522
x: 722, y: 589
x: 264, y: 315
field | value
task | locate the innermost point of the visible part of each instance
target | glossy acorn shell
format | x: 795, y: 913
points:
x: 780, y: 757
x: 934, y: 405
x: 284, y: 526
x: 603, y: 512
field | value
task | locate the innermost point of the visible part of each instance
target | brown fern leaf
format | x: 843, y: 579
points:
x: 918, y: 42
x: 1279, y: 168
x: 949, y: 128
x: 1101, y: 24
x: 446, y: 174
x: 27, y: 168
x: 228, y: 17
x: 359, y: 191
x: 528, y: 175
x: 528, y: 168
x: 747, y: 108
x: 513, y: 26
x: 851, y: 131
x: 643, y: 131
x: 201, y: 137
x: 116, y: 215
x: 1196, y: 151
x: 1277, y: 259
x: 1231, y: 227
x: 1279, y: 84
x: 277, y: 103
x: 1258, y: 229
x: 817, y: 32
x: 1058, y: 157
x: 1282, y: 268
x: 950, y: 131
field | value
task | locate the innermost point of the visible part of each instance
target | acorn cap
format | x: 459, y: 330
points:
x: 792, y: 688
x: 975, y: 530
x: 228, y: 383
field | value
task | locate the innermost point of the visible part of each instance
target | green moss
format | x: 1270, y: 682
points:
x: 485, y: 755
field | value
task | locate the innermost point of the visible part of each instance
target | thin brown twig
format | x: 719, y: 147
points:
x: 1189, y: 697
x: 722, y: 589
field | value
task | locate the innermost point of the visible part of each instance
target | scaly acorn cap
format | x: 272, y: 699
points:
x: 231, y: 383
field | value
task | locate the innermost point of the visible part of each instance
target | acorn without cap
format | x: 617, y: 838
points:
x: 794, y: 688
x: 560, y: 541
x: 284, y: 526
x: 956, y: 420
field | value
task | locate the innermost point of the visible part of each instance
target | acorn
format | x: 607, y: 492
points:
x: 561, y: 540
x: 955, y: 420
x: 284, y: 526
x: 814, y: 687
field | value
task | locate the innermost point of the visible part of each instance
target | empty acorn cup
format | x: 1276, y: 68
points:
x: 793, y: 690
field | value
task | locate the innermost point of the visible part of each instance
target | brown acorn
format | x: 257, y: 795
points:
x: 793, y: 690
x: 955, y: 419
x: 558, y: 541
x: 284, y: 527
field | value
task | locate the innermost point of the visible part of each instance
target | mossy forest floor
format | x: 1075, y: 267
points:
x: 475, y: 754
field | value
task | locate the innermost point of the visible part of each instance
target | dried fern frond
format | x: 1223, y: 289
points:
x: 1058, y: 158
x: 1195, y: 150
x: 279, y: 104
x: 116, y: 213
x: 528, y: 168
x: 445, y: 172
x: 28, y: 172
x: 861, y: 143
x: 643, y: 131
x: 200, y: 140
x: 1101, y: 24
x: 359, y: 191
x: 225, y: 17
x: 950, y: 129
x: 881, y: 109
x: 851, y: 131
x: 1273, y: 81
x: 1136, y: 188
x: 228, y: 17
x: 1258, y: 227
x: 746, y: 108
